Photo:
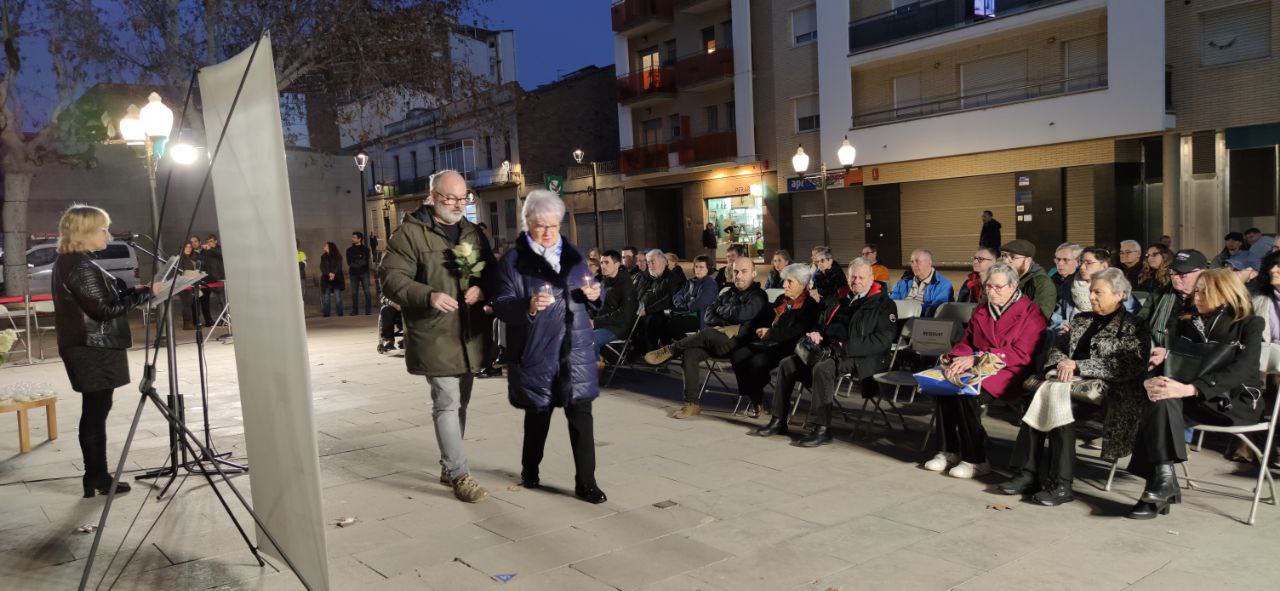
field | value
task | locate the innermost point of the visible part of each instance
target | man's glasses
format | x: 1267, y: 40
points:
x: 444, y: 199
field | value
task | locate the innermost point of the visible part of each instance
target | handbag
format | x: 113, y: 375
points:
x: 1187, y: 360
x: 810, y: 353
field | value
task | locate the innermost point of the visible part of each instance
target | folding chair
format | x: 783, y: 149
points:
x: 927, y: 337
x: 958, y: 311
x: 620, y: 348
x: 44, y: 310
x: 713, y: 366
x: 1263, y: 455
x: 23, y: 337
x: 773, y: 293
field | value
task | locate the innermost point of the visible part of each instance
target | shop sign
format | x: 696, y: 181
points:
x: 836, y: 179
x: 555, y: 184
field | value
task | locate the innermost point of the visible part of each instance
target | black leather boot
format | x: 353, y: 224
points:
x: 819, y: 435
x: 776, y: 426
x: 1162, y: 487
x: 1145, y: 510
x: 1022, y: 483
x: 591, y: 494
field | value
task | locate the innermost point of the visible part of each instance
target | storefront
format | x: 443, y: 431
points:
x: 737, y: 220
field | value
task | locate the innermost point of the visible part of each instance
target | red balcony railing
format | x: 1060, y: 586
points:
x: 708, y: 147
x: 630, y: 13
x: 704, y: 66
x: 641, y: 158
x: 647, y: 81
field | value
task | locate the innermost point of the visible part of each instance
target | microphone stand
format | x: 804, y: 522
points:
x: 177, y: 452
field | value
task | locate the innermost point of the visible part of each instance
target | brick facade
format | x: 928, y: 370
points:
x: 575, y: 112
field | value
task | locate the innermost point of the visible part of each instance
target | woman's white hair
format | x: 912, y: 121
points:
x: 1010, y: 275
x: 541, y: 203
x: 797, y: 272
x: 1115, y: 278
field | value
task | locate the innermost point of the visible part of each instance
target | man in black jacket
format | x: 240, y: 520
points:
x: 211, y: 264
x: 358, y: 268
x: 729, y: 316
x: 990, y: 234
x: 617, y: 314
x: 724, y: 276
x: 858, y: 327
x: 655, y: 295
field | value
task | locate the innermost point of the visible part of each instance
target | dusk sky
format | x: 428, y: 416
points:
x: 554, y: 37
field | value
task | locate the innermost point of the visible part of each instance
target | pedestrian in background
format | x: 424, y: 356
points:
x: 331, y: 280
x: 990, y: 236
x: 358, y: 257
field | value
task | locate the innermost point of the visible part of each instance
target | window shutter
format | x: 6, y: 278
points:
x: 906, y: 95
x: 994, y: 80
x: 1235, y: 34
x: 1086, y: 62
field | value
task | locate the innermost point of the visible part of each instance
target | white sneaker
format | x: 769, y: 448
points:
x: 967, y: 470
x: 941, y: 462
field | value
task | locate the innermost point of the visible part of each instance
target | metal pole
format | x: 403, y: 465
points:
x: 826, y: 235
x: 364, y: 216
x: 595, y: 205
x: 155, y: 209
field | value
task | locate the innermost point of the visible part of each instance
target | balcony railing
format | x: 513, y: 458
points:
x: 708, y: 147
x: 584, y: 170
x: 983, y: 98
x: 412, y: 186
x: 629, y: 14
x: 646, y: 82
x: 415, y: 119
x: 930, y: 17
x: 704, y: 66
x: 644, y: 158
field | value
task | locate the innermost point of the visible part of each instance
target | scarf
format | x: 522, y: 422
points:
x: 1080, y: 296
x: 789, y: 304
x: 997, y: 312
x: 550, y: 254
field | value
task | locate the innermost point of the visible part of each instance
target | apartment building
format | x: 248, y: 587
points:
x: 687, y: 124
x: 1063, y: 117
x: 410, y: 136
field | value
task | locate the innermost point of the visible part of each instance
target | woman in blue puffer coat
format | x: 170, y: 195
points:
x: 544, y: 294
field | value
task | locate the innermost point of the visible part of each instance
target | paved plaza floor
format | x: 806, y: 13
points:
x: 693, y: 504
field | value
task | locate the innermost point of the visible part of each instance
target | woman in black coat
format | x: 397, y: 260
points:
x: 545, y: 294
x: 91, y: 310
x: 774, y: 336
x: 1209, y: 376
x: 332, y: 281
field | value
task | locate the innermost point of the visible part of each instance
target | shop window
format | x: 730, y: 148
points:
x: 738, y: 220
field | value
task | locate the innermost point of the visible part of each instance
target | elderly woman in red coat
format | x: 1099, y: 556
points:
x: 1009, y: 326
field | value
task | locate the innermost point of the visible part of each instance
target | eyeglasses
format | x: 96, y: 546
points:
x: 980, y: 259
x: 994, y: 287
x: 867, y: 252
x: 444, y: 199
x: 542, y: 228
x: 1128, y: 252
x: 1008, y: 256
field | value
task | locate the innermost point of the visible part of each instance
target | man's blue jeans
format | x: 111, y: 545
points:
x: 601, y: 337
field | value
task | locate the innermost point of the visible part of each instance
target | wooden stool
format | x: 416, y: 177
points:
x: 50, y: 405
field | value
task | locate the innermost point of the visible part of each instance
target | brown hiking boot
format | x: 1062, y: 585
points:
x: 444, y: 478
x: 468, y: 490
x: 689, y: 409
x: 658, y: 356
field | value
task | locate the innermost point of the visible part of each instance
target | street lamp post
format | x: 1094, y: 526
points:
x: 800, y: 162
x: 362, y: 160
x: 595, y: 201
x: 146, y: 127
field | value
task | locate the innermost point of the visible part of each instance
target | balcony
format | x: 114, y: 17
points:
x: 707, y: 148
x: 705, y: 70
x: 647, y: 87
x: 653, y: 157
x: 699, y: 6
x: 415, y: 119
x: 930, y: 17
x: 412, y: 186
x: 983, y: 98
x: 633, y: 18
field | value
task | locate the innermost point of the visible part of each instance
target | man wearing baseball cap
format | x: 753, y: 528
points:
x: 1170, y: 301
x: 1033, y: 281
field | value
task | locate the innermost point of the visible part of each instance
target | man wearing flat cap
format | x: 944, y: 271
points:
x: 1032, y: 279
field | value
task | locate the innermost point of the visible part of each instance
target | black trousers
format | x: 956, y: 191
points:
x: 94, y: 408
x: 695, y: 349
x: 389, y: 320
x: 677, y: 327
x: 959, y: 430
x: 1053, y: 465
x: 821, y: 379
x: 1160, y: 438
x: 752, y: 367
x: 581, y: 438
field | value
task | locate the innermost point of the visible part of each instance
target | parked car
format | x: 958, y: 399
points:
x: 119, y: 259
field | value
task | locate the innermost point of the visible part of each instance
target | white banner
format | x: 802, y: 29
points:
x: 255, y: 220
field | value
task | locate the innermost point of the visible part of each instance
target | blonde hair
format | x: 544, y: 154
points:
x: 78, y: 226
x: 1223, y: 288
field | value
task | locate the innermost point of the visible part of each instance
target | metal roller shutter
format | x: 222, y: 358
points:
x: 994, y: 80
x: 586, y: 230
x: 1235, y: 34
x: 1086, y: 62
x: 845, y: 223
x: 944, y: 216
x: 615, y: 230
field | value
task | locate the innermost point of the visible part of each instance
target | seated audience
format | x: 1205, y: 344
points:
x: 728, y: 320
x: 828, y: 278
x: 1106, y: 351
x: 655, y: 292
x: 1008, y: 326
x: 871, y: 254
x: 1155, y: 268
x: 1209, y: 375
x: 774, y: 336
x: 685, y: 315
x: 673, y: 263
x: 724, y: 276
x: 1130, y: 263
x: 1034, y: 283
x: 923, y: 284
x: 1172, y: 301
x: 617, y: 313
x: 855, y: 329
x: 1267, y: 305
x: 1073, y: 296
x: 781, y: 258
x: 971, y: 290
x: 1066, y: 259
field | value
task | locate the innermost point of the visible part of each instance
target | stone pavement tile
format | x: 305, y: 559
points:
x: 543, y: 516
x: 446, y: 576
x: 424, y: 523
x: 402, y: 556
x: 984, y: 545
x: 842, y: 504
x: 900, y: 572
x: 719, y: 474
x: 1175, y: 578
x: 735, y: 499
x: 1234, y: 559
x: 634, y: 567
x: 783, y: 456
x: 939, y: 512
x: 348, y: 573
x: 643, y: 465
x: 751, y: 531
x: 536, y: 554
x: 1114, y: 559
x: 685, y: 582
x: 642, y: 491
x: 775, y: 567
x: 810, y: 478
x: 861, y: 539
x: 643, y: 524
x: 564, y: 578
x: 360, y: 536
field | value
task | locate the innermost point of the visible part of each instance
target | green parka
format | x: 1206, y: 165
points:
x: 418, y: 263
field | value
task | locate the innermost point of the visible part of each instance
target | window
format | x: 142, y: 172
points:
x: 806, y: 114
x: 674, y: 121
x: 651, y: 132
x: 488, y: 152
x: 804, y: 25
x: 906, y: 95
x: 1085, y: 62
x: 396, y: 159
x: 460, y: 156
x: 730, y: 117
x: 709, y: 40
x: 510, y: 207
x: 1235, y: 34
x: 995, y: 80
x: 413, y: 162
x: 712, y: 114
x: 649, y: 58
x: 726, y: 34
x: 669, y: 56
